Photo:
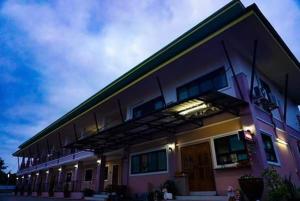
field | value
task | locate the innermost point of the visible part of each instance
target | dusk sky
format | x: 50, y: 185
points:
x: 56, y: 54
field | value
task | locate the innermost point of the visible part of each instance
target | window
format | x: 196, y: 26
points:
x: 211, y: 82
x: 269, y: 148
x: 299, y: 146
x: 106, y: 173
x: 69, y: 177
x: 230, y: 149
x: 155, y: 161
x: 148, y: 107
x: 88, y: 175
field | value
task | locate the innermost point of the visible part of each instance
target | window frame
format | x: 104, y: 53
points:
x: 213, y: 150
x: 202, y: 77
x: 263, y: 132
x: 149, y: 151
x: 144, y: 103
x: 88, y: 169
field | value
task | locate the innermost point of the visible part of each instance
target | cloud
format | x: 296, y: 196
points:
x: 72, y: 50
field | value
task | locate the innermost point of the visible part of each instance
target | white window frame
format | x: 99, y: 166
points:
x: 213, y: 150
x: 275, y: 146
x: 165, y: 147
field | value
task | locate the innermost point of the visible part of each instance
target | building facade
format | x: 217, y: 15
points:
x: 219, y: 102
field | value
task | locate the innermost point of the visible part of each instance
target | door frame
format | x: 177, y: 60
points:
x: 195, y: 142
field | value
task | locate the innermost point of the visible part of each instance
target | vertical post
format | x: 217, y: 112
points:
x: 96, y: 121
x: 77, y: 176
x: 100, y: 173
x: 232, y: 70
x: 18, y: 163
x: 75, y: 133
x: 253, y: 71
x: 120, y: 110
x: 285, y: 96
x: 161, y: 91
x: 48, y: 148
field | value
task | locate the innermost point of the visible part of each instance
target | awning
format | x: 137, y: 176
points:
x: 174, y: 118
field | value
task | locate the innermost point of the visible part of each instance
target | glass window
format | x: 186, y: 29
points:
x: 69, y: 177
x: 149, y: 162
x: 269, y: 148
x: 106, y: 173
x: 230, y: 149
x: 148, y: 107
x: 210, y: 82
x: 88, y: 175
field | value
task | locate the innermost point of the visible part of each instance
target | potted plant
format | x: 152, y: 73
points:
x: 252, y: 187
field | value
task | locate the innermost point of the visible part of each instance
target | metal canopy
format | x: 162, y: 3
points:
x: 174, y: 118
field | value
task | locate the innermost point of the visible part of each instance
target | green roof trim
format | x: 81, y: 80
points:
x: 213, y: 23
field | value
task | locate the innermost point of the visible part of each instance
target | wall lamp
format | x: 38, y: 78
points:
x: 281, y: 141
x: 99, y: 161
x: 171, y: 147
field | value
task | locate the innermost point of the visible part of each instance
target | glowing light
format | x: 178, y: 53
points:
x: 171, y: 146
x: 59, y: 169
x: 37, y: 174
x: 76, y: 166
x: 193, y: 109
x: 47, y: 172
x: 99, y: 161
x: 281, y: 141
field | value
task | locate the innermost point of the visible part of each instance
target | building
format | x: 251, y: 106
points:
x: 219, y: 102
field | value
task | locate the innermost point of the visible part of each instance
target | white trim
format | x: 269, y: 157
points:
x: 275, y: 146
x: 164, y: 147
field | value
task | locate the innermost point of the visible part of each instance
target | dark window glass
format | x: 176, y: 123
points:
x: 149, y: 162
x: 230, y: 149
x: 69, y: 177
x: 269, y: 148
x: 88, y: 175
x: 106, y: 173
x: 148, y: 107
x: 299, y: 146
x: 210, y: 82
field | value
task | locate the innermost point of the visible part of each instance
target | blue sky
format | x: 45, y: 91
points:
x: 55, y: 54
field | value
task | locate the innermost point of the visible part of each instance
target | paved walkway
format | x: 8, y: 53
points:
x: 9, y: 197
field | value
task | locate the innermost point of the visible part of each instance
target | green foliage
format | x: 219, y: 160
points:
x: 280, y: 189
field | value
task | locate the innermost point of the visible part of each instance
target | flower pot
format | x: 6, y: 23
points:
x: 252, y: 187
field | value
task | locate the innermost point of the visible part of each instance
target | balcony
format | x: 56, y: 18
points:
x: 56, y: 162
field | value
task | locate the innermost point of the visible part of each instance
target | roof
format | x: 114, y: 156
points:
x: 213, y: 23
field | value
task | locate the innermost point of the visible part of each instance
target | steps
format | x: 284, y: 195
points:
x: 97, y: 197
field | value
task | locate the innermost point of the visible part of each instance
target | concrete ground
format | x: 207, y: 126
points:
x: 11, y: 197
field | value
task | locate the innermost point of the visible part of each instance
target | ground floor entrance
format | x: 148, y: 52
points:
x: 197, y: 163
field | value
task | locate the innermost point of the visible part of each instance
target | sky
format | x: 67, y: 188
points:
x: 55, y: 54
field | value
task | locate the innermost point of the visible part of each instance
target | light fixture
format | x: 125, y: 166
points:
x: 171, y: 146
x: 250, y: 128
x: 29, y: 175
x: 17, y: 178
x: 8, y: 175
x: 37, y: 174
x: 59, y: 169
x: 193, y: 109
x: 22, y: 177
x: 99, y: 161
x: 47, y: 171
x: 76, y: 166
x: 281, y: 141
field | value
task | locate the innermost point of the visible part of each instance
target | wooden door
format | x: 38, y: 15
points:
x: 197, y: 163
x: 115, y: 174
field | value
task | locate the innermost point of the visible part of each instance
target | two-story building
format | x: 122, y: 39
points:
x: 219, y: 102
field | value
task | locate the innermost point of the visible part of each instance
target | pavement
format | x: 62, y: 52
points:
x: 11, y: 197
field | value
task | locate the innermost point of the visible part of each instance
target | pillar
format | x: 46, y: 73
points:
x: 77, y: 176
x: 100, y: 174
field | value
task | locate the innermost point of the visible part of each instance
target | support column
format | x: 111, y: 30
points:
x: 60, y: 179
x: 77, y: 176
x: 125, y: 167
x: 172, y: 157
x: 100, y: 174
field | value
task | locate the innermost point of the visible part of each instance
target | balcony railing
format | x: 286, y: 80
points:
x: 56, y: 162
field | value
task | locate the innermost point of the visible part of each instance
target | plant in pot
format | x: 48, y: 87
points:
x: 170, y: 186
x: 252, y: 187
